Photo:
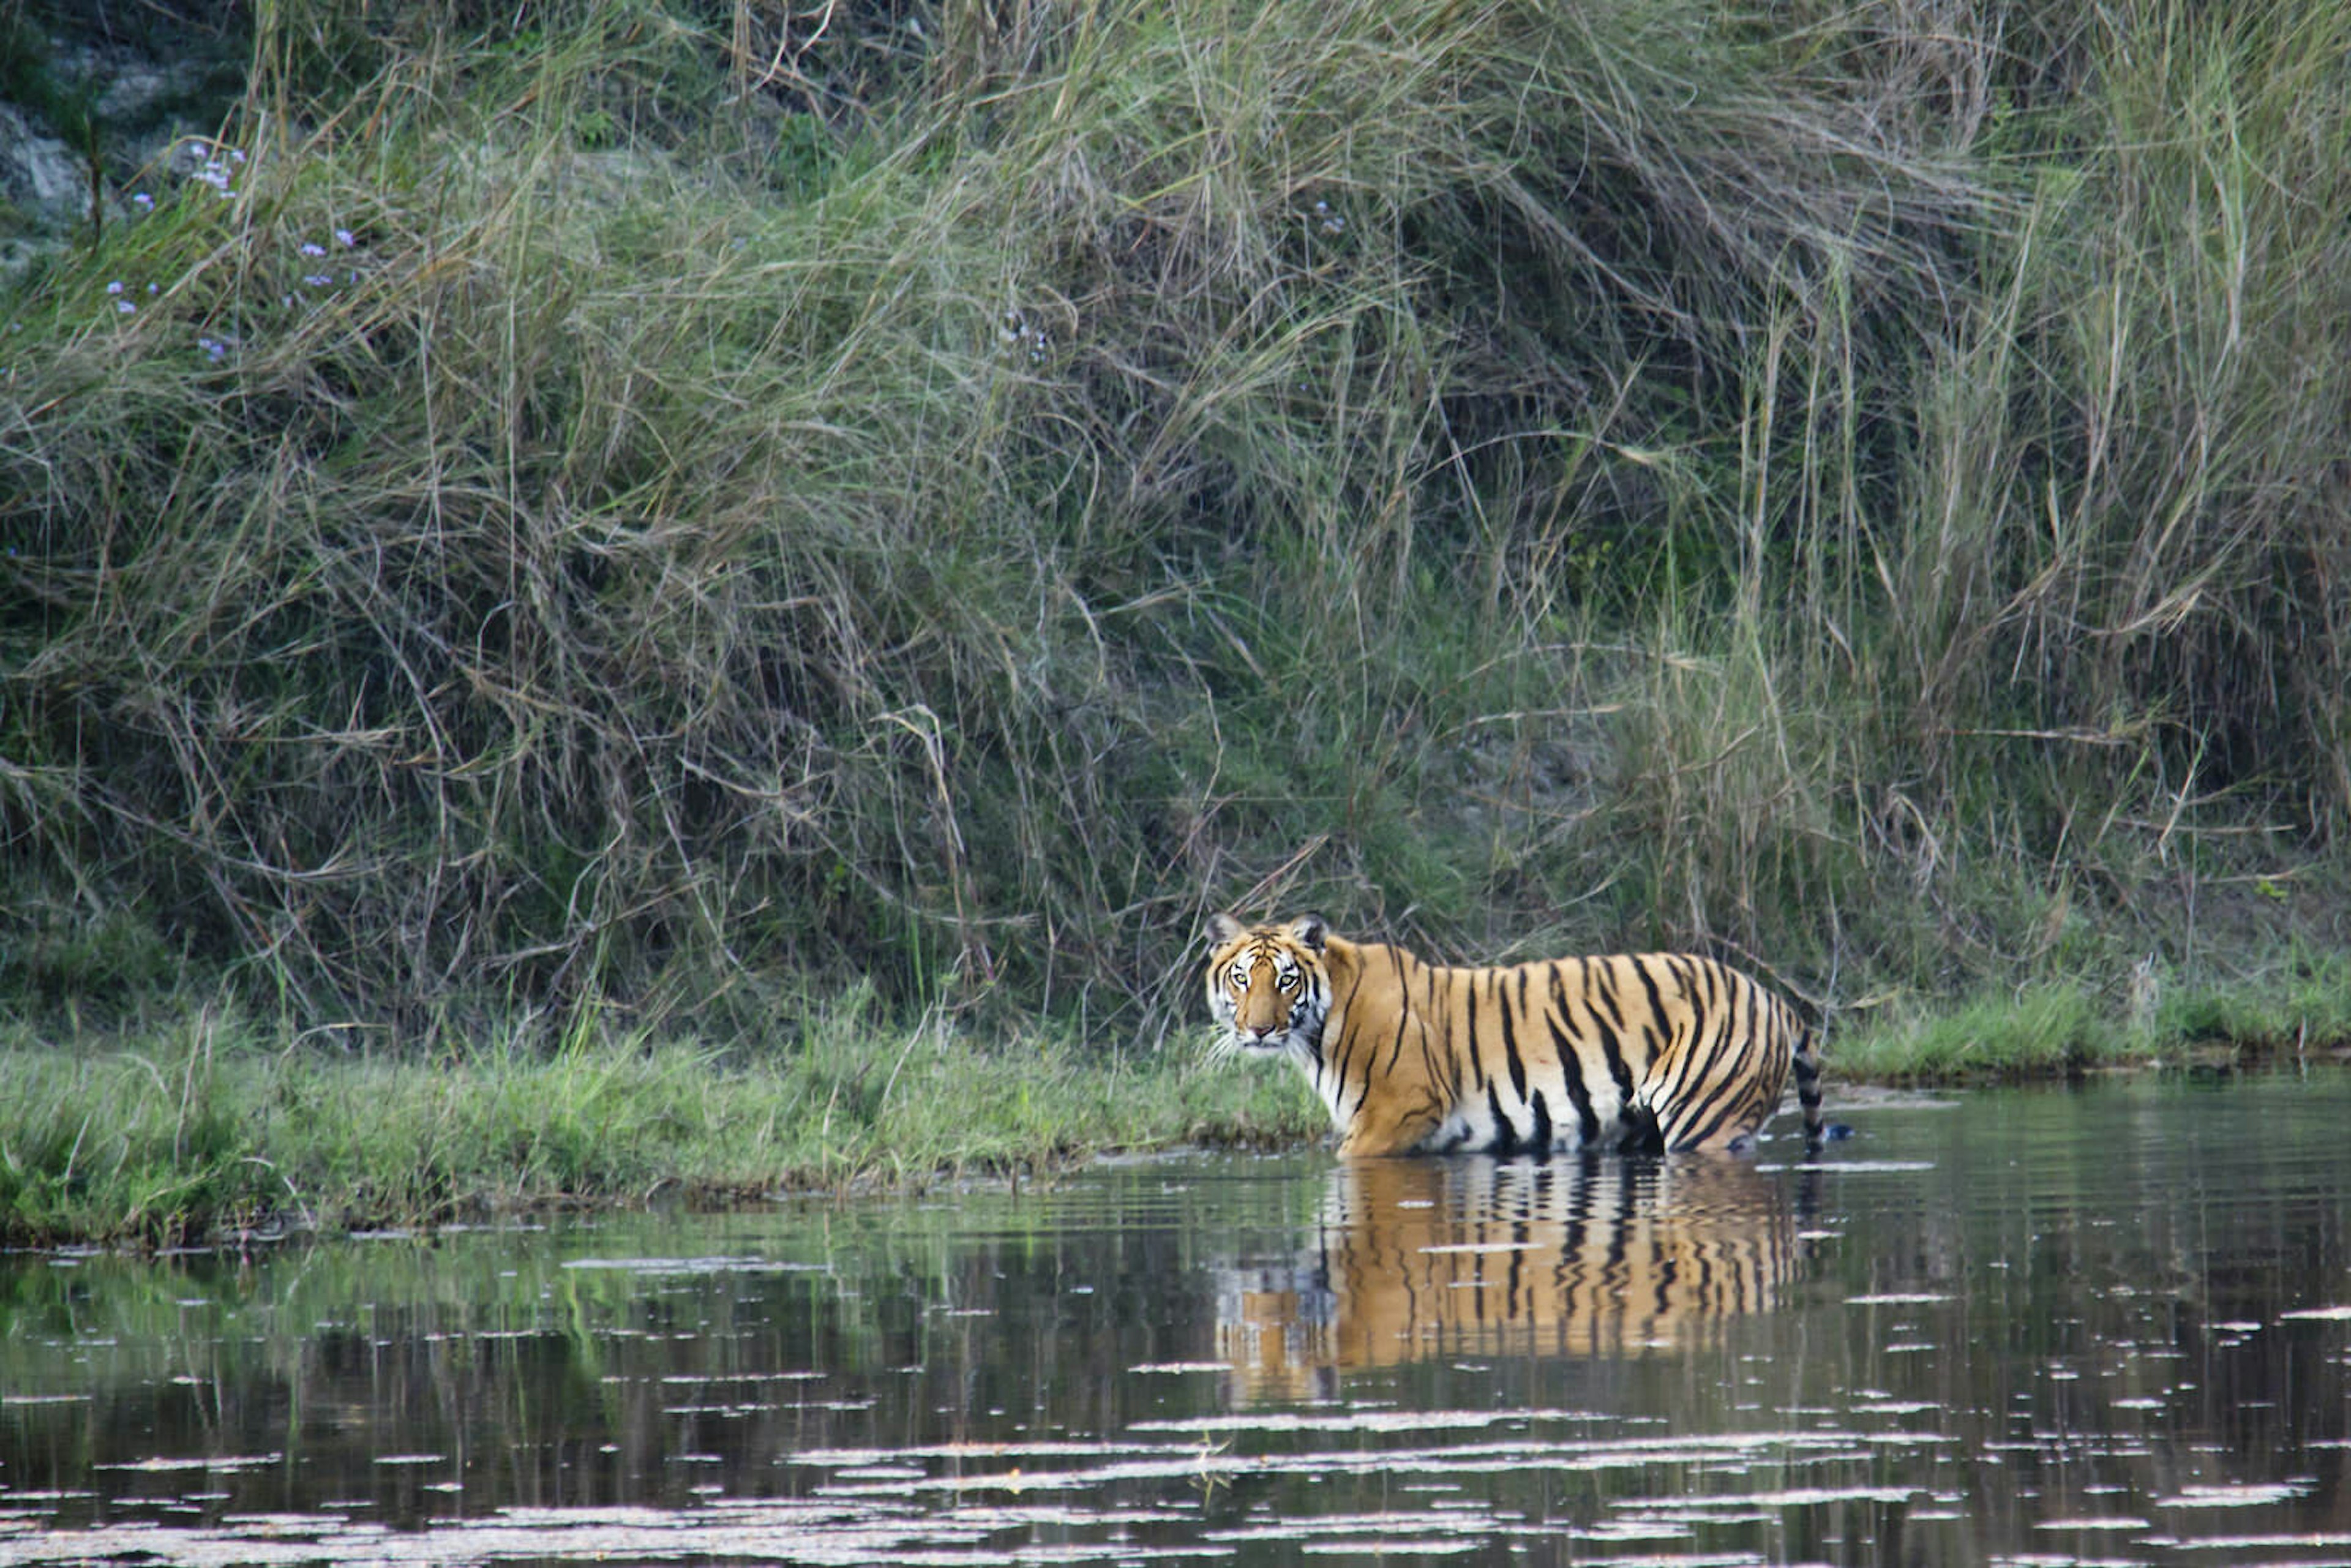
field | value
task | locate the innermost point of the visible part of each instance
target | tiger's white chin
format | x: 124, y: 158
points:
x: 1288, y: 1042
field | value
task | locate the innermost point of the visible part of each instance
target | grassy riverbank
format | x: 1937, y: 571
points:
x: 2299, y: 1012
x: 563, y: 527
x: 212, y: 1127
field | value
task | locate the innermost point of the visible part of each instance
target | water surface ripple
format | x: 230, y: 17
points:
x: 2104, y: 1325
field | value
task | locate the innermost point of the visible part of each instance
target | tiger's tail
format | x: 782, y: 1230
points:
x: 1807, y: 1090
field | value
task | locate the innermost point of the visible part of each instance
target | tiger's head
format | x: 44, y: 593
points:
x: 1269, y: 986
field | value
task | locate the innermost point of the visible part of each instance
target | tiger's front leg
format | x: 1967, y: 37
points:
x: 1368, y: 1138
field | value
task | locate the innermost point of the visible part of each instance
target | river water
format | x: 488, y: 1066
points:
x: 2102, y: 1325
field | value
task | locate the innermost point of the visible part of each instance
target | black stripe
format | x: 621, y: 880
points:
x: 1668, y: 1269
x: 1656, y: 1011
x: 1656, y: 1072
x: 1675, y: 1102
x: 1570, y: 1067
x: 1808, y: 1087
x: 1708, y: 1091
x: 1540, y: 1142
x: 1439, y: 1094
x: 1506, y: 1136
x: 1332, y: 1004
x: 1690, y: 989
x: 1329, y: 1005
x: 1513, y: 1311
x: 1612, y: 1047
x: 1763, y: 1060
x: 1345, y: 1053
x: 1620, y: 1237
x: 1511, y: 1041
x: 1763, y: 1063
x: 1404, y: 1008
x: 1438, y: 1036
x: 1719, y: 1282
x: 1600, y: 982
x: 1469, y: 1046
x: 1390, y: 1267
x: 1729, y: 1062
x: 1356, y: 1044
x: 1568, y: 1273
x: 1708, y: 1111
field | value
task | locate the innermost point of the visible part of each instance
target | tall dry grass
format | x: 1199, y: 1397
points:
x: 950, y: 496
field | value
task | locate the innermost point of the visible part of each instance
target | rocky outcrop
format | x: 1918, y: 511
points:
x: 81, y: 93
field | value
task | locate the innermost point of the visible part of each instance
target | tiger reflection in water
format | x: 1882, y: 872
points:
x: 1598, y: 1257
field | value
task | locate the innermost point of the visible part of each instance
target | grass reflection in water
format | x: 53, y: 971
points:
x: 2107, y: 1324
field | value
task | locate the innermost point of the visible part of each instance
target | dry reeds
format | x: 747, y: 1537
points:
x: 617, y: 518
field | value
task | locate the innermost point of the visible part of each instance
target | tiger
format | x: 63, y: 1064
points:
x: 1649, y: 1050
x: 1592, y: 1258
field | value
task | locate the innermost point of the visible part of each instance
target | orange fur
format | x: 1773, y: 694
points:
x: 1410, y: 1056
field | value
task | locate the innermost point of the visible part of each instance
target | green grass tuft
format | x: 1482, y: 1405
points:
x: 2038, y: 1031
x: 2299, y: 1011
x: 224, y: 1133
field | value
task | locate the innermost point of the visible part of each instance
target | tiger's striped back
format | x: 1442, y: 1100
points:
x: 1669, y: 1050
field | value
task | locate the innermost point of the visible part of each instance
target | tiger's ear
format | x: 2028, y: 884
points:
x: 1311, y: 931
x: 1223, y: 928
